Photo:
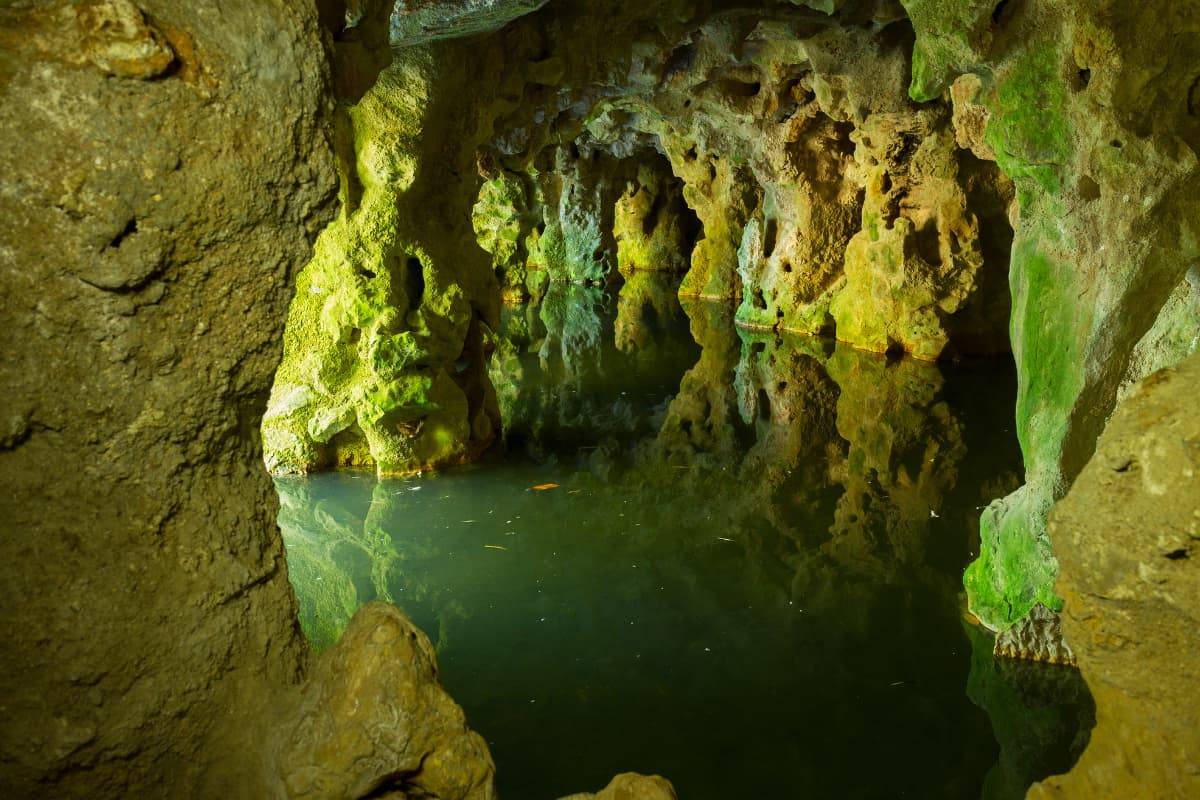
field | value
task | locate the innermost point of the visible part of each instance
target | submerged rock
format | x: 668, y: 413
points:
x: 631, y: 786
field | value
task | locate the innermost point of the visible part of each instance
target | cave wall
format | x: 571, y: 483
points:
x: 165, y: 169
x: 1132, y: 590
x: 939, y: 178
x: 826, y: 200
x: 1091, y: 109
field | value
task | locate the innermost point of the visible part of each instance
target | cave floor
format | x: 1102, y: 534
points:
x: 732, y: 559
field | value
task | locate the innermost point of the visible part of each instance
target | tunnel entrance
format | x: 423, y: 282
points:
x: 713, y: 347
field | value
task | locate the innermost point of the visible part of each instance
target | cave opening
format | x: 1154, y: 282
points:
x: 746, y: 366
x: 656, y: 378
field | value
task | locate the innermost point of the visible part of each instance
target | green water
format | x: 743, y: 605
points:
x: 747, y: 578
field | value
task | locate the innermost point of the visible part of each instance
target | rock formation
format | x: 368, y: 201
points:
x: 1103, y: 151
x: 160, y: 187
x: 1127, y: 539
x: 631, y: 786
x: 866, y: 168
x: 906, y: 176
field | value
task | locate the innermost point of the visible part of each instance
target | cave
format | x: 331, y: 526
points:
x: 486, y: 398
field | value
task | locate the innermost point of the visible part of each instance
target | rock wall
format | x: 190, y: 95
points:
x: 165, y: 169
x: 1090, y: 108
x: 1127, y: 537
x: 826, y: 200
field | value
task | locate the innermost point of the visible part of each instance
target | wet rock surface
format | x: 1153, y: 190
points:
x: 1126, y: 537
x: 373, y: 721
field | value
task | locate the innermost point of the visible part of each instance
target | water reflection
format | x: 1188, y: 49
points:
x: 747, y: 578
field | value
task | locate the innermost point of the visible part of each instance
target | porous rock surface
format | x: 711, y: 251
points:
x: 373, y: 719
x: 1090, y: 109
x: 164, y: 170
x: 1128, y: 541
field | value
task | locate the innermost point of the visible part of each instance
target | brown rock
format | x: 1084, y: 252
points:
x: 149, y: 232
x: 374, y: 719
x: 1127, y: 539
x: 632, y: 786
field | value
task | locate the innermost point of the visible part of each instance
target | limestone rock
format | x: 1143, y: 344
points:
x: 386, y: 335
x: 1104, y: 176
x: 1037, y: 637
x: 373, y: 720
x: 631, y: 786
x: 1127, y: 537
x: 149, y: 232
x: 418, y: 21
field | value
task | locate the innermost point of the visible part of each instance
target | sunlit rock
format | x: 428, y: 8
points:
x: 373, y: 718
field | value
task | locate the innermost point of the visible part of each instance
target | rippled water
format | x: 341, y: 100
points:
x: 743, y: 570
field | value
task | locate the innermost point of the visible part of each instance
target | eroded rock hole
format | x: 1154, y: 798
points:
x: 414, y: 282
x: 131, y: 227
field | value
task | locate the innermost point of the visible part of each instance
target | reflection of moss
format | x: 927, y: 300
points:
x: 1041, y: 715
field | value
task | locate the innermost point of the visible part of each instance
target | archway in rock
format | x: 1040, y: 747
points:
x: 825, y: 203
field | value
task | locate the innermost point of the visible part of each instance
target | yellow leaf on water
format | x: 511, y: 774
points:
x: 544, y: 487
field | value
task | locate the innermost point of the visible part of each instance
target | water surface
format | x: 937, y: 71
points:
x: 743, y: 571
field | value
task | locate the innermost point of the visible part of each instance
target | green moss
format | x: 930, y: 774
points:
x: 379, y: 317
x: 1029, y: 129
x: 947, y: 35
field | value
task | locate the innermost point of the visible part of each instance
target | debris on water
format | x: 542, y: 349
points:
x: 544, y: 487
x: 495, y: 547
x: 933, y: 514
x: 897, y: 683
x: 466, y: 521
x: 725, y: 539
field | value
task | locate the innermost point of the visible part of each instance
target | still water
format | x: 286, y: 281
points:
x: 740, y: 569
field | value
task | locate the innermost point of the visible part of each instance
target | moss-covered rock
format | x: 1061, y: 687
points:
x: 1101, y: 146
x: 383, y: 353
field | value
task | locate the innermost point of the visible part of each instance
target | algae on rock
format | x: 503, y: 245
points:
x: 1104, y: 157
x: 383, y: 353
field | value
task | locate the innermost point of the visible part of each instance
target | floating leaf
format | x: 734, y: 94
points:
x: 544, y: 487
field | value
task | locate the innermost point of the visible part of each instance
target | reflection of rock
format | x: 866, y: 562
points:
x: 327, y: 544
x: 903, y: 458
x: 631, y: 786
x: 1127, y: 539
x: 646, y: 303
x: 1041, y: 716
x: 374, y: 721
